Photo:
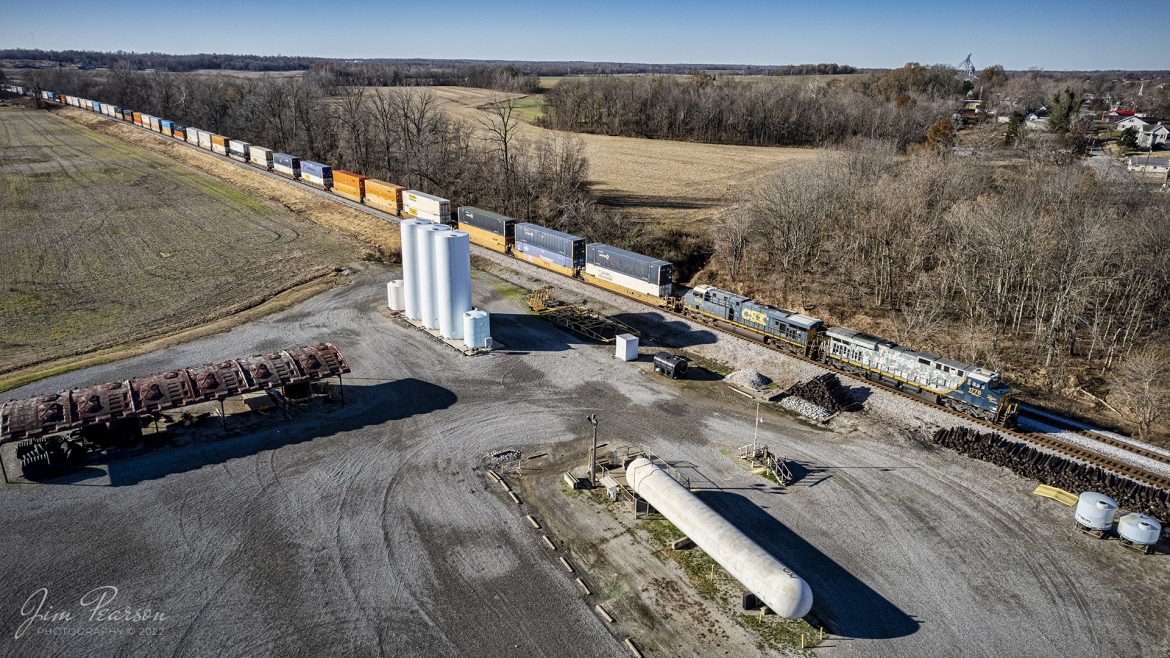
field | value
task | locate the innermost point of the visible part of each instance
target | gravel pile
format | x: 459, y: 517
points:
x: 806, y: 409
x: 748, y: 379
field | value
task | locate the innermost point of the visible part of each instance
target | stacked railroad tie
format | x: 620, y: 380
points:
x: 1055, y: 470
x: 819, y: 398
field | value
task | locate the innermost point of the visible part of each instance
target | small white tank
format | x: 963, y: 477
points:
x: 476, y: 328
x: 1095, y: 511
x: 1139, y: 529
x: 395, y: 295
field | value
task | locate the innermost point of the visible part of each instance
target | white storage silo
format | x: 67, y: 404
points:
x: 395, y: 296
x: 427, y: 292
x: 410, y: 278
x: 452, y: 281
x: 627, y: 347
x: 1139, y: 530
x: 1095, y: 511
x: 476, y: 328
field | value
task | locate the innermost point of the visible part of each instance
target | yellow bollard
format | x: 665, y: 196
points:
x: 802, y: 640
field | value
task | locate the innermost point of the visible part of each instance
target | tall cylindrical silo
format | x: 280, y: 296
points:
x: 410, y: 279
x: 452, y: 281
x: 425, y: 250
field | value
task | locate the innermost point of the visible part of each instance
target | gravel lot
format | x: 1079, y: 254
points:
x: 369, y: 530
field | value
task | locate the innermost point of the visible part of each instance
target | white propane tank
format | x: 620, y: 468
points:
x: 476, y: 328
x: 395, y: 297
x: 407, y: 231
x: 627, y: 347
x: 427, y: 292
x: 1095, y: 511
x: 775, y: 584
x: 453, y: 281
x: 1139, y: 529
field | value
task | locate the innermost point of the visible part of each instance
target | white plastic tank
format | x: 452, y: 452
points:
x: 627, y: 347
x: 476, y: 328
x: 407, y: 231
x: 427, y: 294
x: 1095, y: 511
x: 1139, y: 529
x: 452, y: 281
x: 395, y: 296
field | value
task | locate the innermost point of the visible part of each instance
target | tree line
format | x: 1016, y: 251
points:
x: 757, y: 113
x: 1040, y: 269
x: 399, y: 135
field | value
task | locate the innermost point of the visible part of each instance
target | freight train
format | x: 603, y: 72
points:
x: 959, y: 386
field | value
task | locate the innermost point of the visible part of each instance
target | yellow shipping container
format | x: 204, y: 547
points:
x: 384, y: 196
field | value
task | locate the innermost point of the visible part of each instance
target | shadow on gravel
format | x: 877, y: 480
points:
x: 365, y: 406
x: 848, y: 607
x: 525, y: 333
x: 666, y: 330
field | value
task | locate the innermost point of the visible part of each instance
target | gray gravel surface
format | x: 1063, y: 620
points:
x: 370, y: 531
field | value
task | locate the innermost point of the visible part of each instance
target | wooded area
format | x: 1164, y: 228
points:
x: 400, y: 135
x: 1039, y: 269
x: 757, y: 113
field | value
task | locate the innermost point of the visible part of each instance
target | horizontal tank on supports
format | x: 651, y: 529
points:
x: 410, y: 277
x: 755, y: 568
x: 1139, y: 531
x: 395, y: 296
x: 476, y: 329
x: 1095, y: 512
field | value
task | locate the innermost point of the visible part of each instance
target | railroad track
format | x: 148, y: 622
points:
x: 1045, y: 441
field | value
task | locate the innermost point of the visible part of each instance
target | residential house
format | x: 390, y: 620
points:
x: 1154, y: 136
x: 1137, y: 123
x: 1144, y: 164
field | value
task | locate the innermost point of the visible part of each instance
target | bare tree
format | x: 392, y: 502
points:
x: 1141, y: 387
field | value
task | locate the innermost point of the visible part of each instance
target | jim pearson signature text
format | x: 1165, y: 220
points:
x: 96, y: 606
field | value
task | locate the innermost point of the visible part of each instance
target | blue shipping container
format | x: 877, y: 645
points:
x: 286, y: 160
x: 97, y: 107
x: 167, y: 125
x: 316, y: 169
x: 552, y: 241
x: 545, y: 254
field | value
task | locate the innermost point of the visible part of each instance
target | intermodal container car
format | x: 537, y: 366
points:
x: 96, y: 106
x: 286, y: 165
x: 488, y: 229
x: 238, y: 150
x: 418, y: 205
x: 166, y: 126
x: 156, y: 124
x: 204, y: 140
x: 219, y: 144
x: 317, y: 174
x: 138, y: 118
x: 193, y: 135
x: 384, y: 196
x: 548, y: 248
x: 627, y: 272
x: 260, y: 157
x: 89, y: 105
x: 349, y: 185
x: 179, y: 132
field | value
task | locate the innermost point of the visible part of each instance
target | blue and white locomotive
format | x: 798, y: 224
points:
x: 960, y: 386
x: 791, y: 329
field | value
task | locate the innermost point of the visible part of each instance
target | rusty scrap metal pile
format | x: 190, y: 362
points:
x: 1055, y: 470
x: 127, y: 399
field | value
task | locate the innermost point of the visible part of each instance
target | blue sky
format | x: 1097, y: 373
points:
x: 1068, y: 35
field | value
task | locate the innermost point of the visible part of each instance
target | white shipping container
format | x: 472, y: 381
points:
x: 222, y: 150
x: 287, y: 171
x: 627, y: 281
x: 205, y: 139
x: 238, y: 150
x: 426, y: 206
x: 193, y: 136
x: 260, y: 156
x: 316, y: 180
x: 424, y: 216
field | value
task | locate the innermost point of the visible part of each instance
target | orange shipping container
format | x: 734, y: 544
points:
x: 384, y: 196
x: 349, y: 185
x: 219, y: 140
x: 138, y: 118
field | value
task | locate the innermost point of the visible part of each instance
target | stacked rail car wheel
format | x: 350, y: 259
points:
x: 96, y: 408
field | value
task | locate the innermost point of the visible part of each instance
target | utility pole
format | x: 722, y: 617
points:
x: 593, y: 452
x: 756, y: 435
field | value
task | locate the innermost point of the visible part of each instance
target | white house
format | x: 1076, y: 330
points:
x: 1146, y: 165
x: 1154, y: 136
x: 1137, y: 123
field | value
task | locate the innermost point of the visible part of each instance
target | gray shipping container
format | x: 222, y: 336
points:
x: 487, y: 220
x: 551, y: 240
x: 641, y: 267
